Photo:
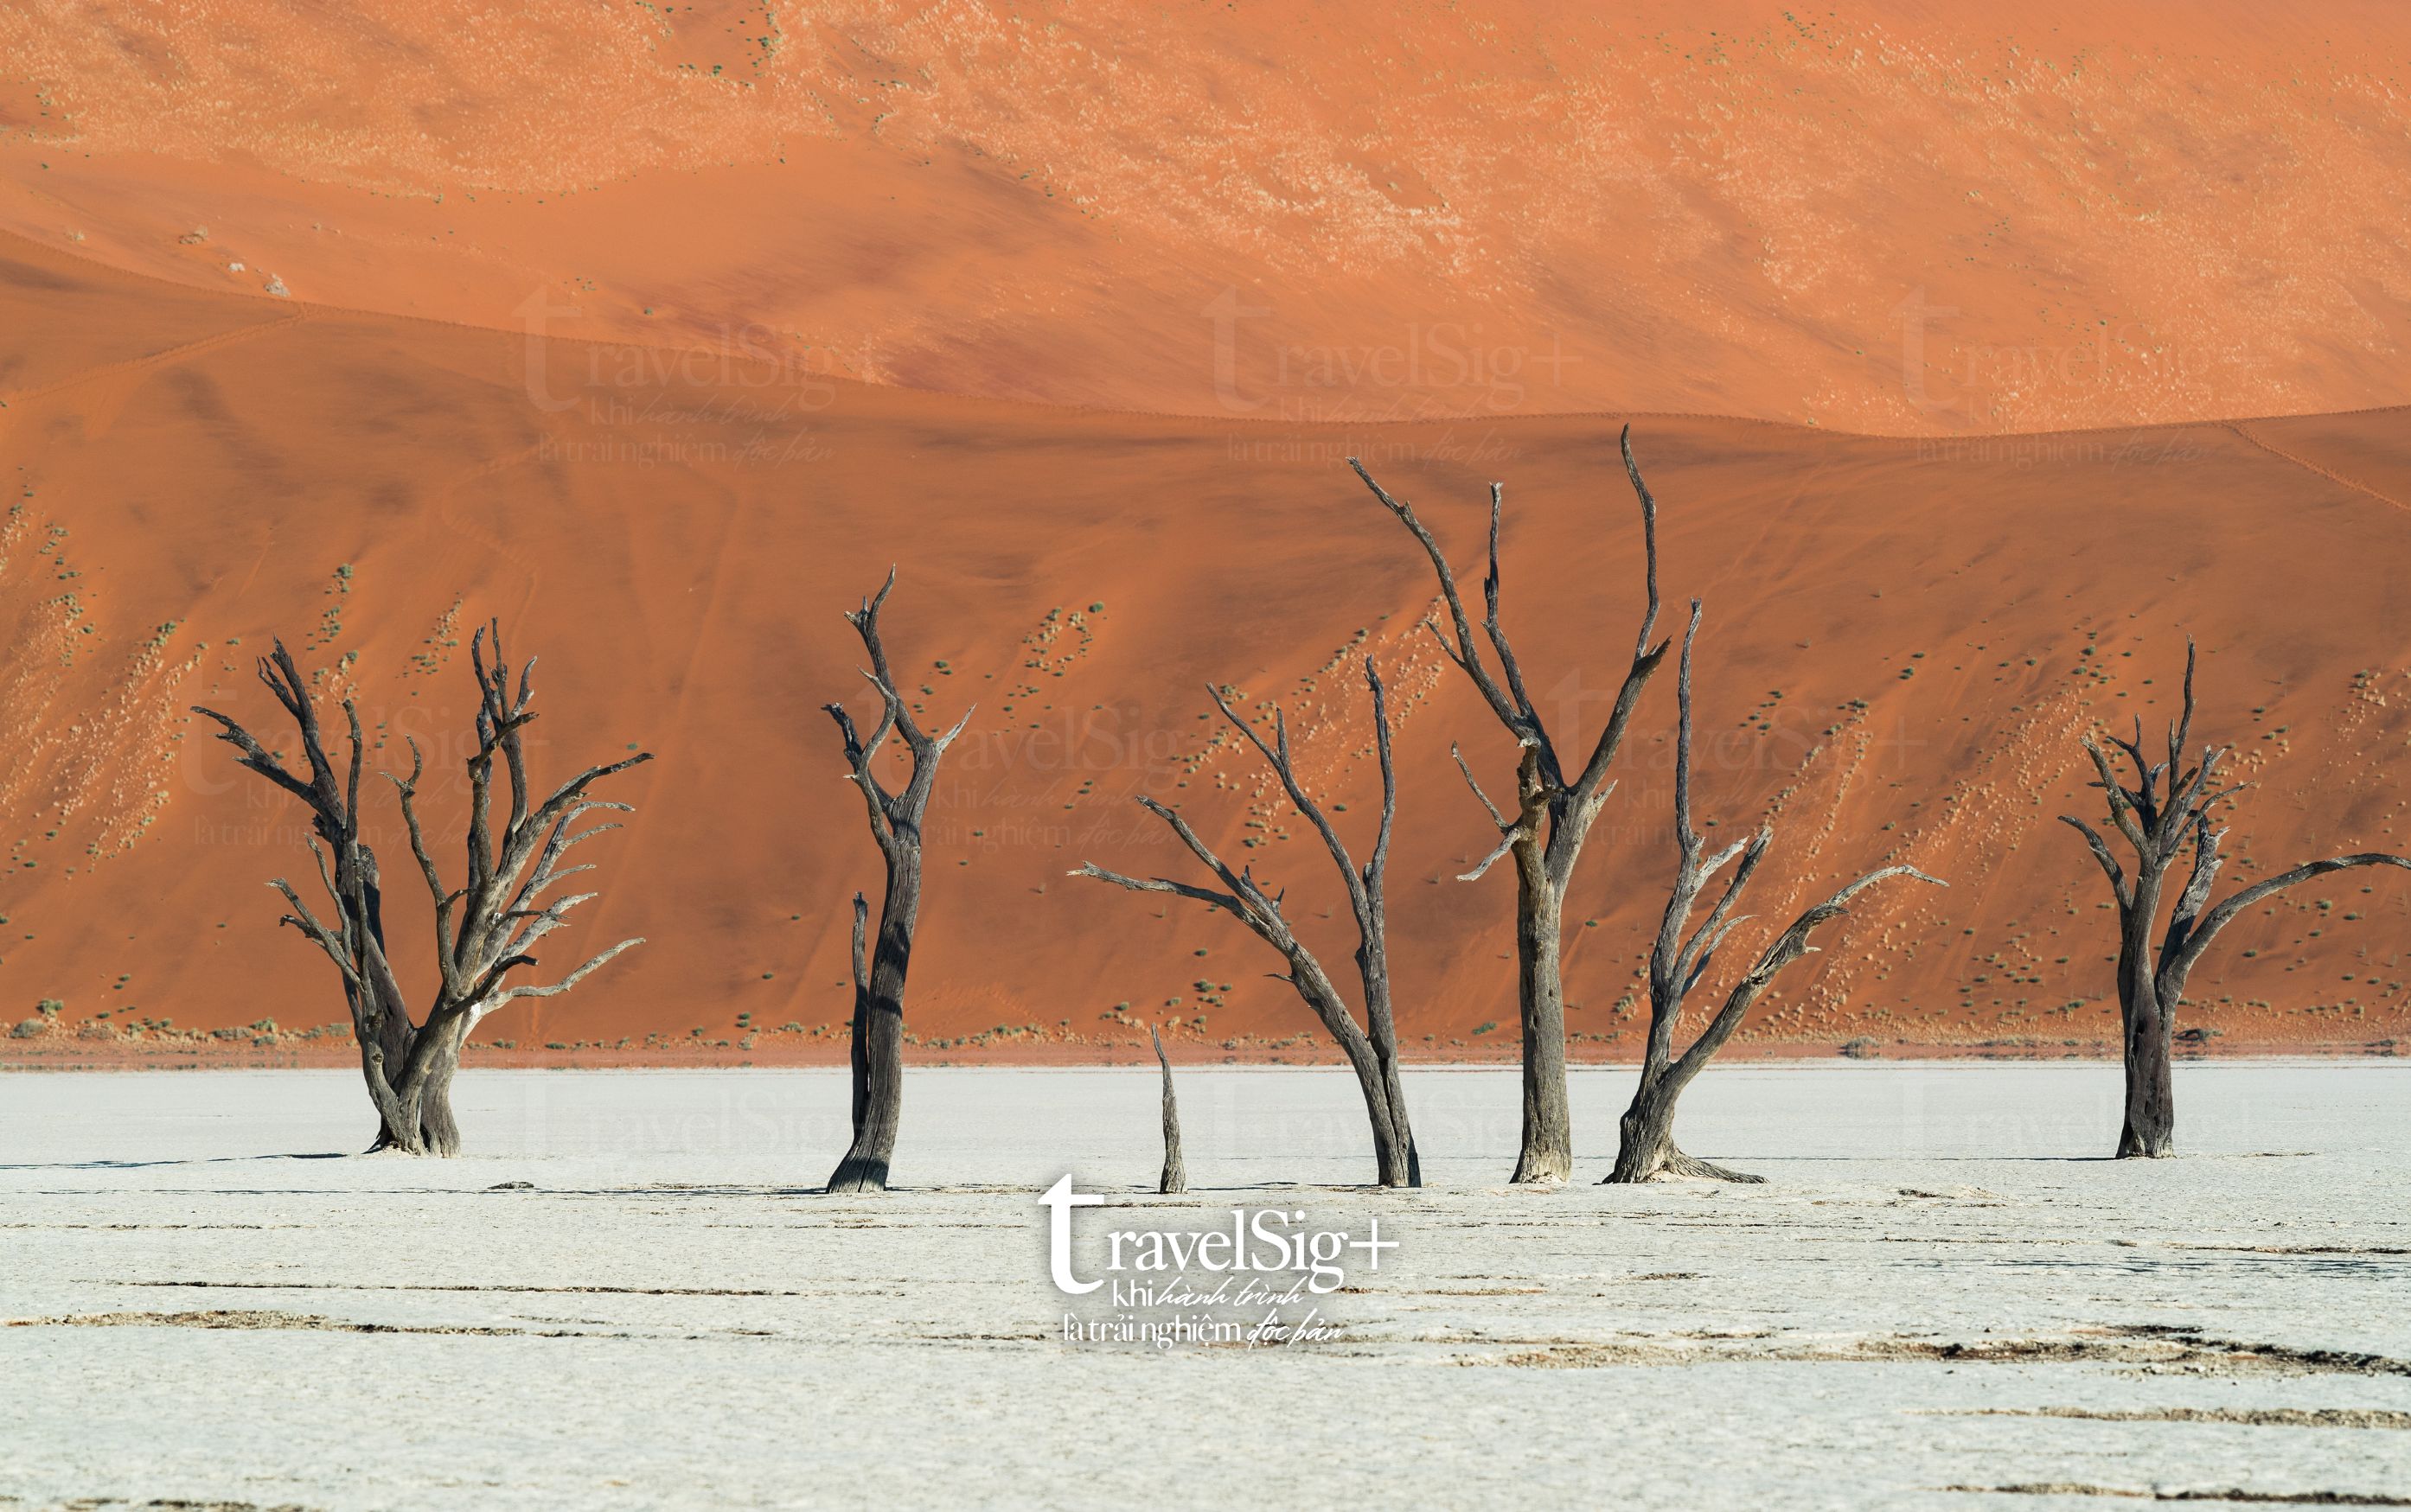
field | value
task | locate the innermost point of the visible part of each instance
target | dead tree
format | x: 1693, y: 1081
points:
x: 878, y: 1045
x: 2159, y: 817
x: 1554, y: 809
x: 1372, y: 1049
x: 484, y: 928
x: 1646, y: 1148
x: 1175, y: 1171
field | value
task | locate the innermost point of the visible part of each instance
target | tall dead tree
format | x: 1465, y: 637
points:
x: 878, y: 1045
x: 1554, y: 809
x: 2159, y: 817
x: 1646, y: 1148
x: 484, y: 928
x: 1175, y: 1171
x: 1372, y: 1049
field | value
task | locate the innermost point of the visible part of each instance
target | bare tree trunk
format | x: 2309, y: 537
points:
x: 1547, y: 1150
x: 859, y: 1040
x: 392, y: 1132
x: 879, y: 1034
x: 2151, y: 1123
x: 438, y: 1133
x: 1407, y: 1163
x: 1394, y: 1161
x: 2147, y: 1033
x: 379, y: 1016
x: 390, y: 1137
x: 896, y: 819
x: 1175, y: 1171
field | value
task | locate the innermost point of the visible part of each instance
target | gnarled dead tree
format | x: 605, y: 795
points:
x: 1372, y: 1051
x: 878, y: 1047
x: 1175, y: 1171
x: 2159, y: 817
x: 1646, y: 1148
x: 484, y: 928
x: 1554, y: 809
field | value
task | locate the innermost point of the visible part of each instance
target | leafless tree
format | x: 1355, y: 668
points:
x: 1646, y: 1148
x: 1175, y: 1171
x: 2159, y: 817
x: 1554, y: 809
x: 878, y: 1045
x: 1372, y: 1051
x: 484, y: 928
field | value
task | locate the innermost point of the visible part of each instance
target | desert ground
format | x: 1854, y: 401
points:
x: 630, y: 1294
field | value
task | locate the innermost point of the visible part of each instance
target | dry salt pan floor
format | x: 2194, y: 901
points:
x: 631, y: 1295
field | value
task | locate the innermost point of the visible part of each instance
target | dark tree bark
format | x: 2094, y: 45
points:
x: 858, y: 1043
x: 483, y: 929
x: 1554, y: 809
x: 2159, y: 817
x: 1175, y: 1171
x: 878, y: 1047
x: 1645, y: 1149
x: 1372, y: 1049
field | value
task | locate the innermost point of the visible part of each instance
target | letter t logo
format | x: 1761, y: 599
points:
x: 1061, y: 1199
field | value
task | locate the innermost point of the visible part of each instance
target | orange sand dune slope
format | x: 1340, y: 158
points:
x: 1905, y: 640
x: 1890, y: 216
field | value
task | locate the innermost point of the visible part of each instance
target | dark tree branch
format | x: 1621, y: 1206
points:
x: 1165, y: 884
x: 2101, y: 853
x: 1464, y: 652
x: 1471, y: 781
x: 2225, y: 913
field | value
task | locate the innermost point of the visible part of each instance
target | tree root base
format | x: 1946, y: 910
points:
x: 1674, y: 1165
x: 1540, y: 1167
x: 857, y: 1175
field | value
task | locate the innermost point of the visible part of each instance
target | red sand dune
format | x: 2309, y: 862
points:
x: 1893, y: 216
x: 1905, y: 639
x: 813, y: 292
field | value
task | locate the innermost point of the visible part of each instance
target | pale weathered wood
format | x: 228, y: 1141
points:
x: 2166, y: 811
x: 1175, y: 1171
x: 1554, y: 809
x: 878, y: 1043
x: 484, y: 929
x: 1372, y: 1049
x: 1645, y: 1147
